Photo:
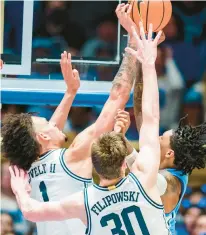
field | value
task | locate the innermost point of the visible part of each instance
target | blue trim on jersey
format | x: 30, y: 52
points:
x: 106, y: 188
x: 86, y: 203
x: 47, y: 154
x: 183, y: 179
x: 65, y: 168
x: 153, y: 203
x: 85, y: 185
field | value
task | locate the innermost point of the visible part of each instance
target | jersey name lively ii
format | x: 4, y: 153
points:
x: 51, y: 180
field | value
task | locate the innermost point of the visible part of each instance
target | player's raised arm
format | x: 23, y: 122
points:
x: 127, y: 23
x: 148, y: 163
x: 119, y: 95
x: 33, y: 210
x: 72, y: 80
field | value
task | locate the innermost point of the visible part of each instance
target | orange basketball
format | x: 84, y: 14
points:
x: 151, y: 11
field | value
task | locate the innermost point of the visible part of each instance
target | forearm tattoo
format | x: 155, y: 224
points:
x: 127, y: 71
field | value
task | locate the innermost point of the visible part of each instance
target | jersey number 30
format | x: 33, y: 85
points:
x: 127, y: 223
x: 43, y: 190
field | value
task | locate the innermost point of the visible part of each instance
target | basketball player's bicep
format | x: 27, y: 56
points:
x: 82, y: 142
x: 146, y: 166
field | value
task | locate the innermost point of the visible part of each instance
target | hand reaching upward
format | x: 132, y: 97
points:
x: 147, y: 48
x: 123, y: 13
x: 71, y: 77
x: 122, y: 122
x: 19, y: 180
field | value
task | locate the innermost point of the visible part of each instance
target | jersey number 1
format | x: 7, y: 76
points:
x: 43, y: 190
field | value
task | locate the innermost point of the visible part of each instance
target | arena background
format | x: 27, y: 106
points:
x: 32, y: 37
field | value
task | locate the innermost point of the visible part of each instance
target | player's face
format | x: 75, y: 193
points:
x: 165, y: 143
x: 49, y: 131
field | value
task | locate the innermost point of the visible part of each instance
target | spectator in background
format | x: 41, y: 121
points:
x: 105, y: 73
x: 56, y: 22
x: 193, y: 105
x: 41, y: 48
x: 7, y: 227
x: 200, y: 225
x: 174, y: 30
x: 171, y: 83
x: 103, y: 51
x: 79, y: 119
x: 193, y: 15
x: 9, y: 205
x: 190, y: 218
x: 196, y: 197
x: 106, y: 32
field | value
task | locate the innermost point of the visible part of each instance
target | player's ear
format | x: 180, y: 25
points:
x: 42, y: 137
x: 170, y: 154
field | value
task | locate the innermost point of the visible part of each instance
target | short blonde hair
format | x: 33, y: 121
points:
x: 108, y: 154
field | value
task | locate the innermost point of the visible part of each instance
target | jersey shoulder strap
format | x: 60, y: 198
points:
x: 144, y: 194
x: 69, y: 172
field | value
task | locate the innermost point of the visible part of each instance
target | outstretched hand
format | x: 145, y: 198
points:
x: 147, y: 47
x: 19, y: 180
x: 122, y: 122
x: 71, y: 77
x: 123, y: 13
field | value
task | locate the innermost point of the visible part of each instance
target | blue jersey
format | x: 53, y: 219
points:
x: 171, y: 217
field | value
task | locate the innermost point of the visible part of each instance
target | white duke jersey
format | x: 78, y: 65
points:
x: 51, y: 180
x: 124, y: 209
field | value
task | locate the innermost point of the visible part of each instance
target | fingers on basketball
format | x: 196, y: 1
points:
x: 150, y: 32
x: 157, y: 38
x: 119, y: 9
x: 129, y: 10
x: 124, y: 8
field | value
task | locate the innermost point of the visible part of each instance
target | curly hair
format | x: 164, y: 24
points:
x: 19, y: 144
x: 108, y: 154
x: 189, y: 145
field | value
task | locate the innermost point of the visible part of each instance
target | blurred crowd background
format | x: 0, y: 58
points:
x: 92, y: 33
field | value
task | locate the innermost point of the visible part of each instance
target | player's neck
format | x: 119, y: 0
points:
x: 47, y: 148
x: 106, y: 183
x: 167, y: 164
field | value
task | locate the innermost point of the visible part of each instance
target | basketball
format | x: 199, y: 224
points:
x: 156, y: 12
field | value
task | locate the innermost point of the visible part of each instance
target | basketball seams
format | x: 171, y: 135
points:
x: 158, y: 13
x: 163, y: 14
